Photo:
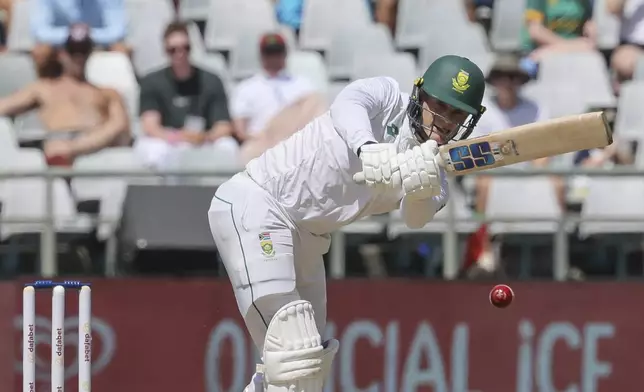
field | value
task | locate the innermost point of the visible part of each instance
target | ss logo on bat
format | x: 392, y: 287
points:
x: 472, y: 155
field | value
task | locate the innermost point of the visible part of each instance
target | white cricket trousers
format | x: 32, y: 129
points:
x: 269, y: 262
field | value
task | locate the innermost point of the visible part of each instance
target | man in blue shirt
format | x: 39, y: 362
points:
x: 50, y: 21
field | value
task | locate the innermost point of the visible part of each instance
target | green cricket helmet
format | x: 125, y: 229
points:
x: 452, y: 80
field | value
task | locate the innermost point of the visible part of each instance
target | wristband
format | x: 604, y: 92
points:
x: 360, y: 148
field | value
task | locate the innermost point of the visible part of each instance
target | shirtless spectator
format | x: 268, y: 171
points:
x: 51, y: 20
x: 182, y: 107
x: 79, y: 118
x: 624, y: 57
x: 273, y: 104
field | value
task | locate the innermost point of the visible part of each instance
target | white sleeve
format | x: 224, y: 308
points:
x: 358, y: 103
x: 241, y: 103
x: 417, y: 213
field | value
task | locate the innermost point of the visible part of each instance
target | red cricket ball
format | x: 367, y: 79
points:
x: 501, y: 296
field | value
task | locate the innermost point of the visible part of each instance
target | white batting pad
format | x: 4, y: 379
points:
x: 294, y: 358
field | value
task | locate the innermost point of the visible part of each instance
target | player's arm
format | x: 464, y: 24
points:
x: 116, y: 125
x: 21, y: 101
x: 535, y: 15
x: 357, y: 104
x: 615, y: 7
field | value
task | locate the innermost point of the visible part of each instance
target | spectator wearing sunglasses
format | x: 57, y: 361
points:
x: 50, y: 21
x: 79, y: 117
x: 182, y: 107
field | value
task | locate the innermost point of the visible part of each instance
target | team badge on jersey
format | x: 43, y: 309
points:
x: 266, y: 244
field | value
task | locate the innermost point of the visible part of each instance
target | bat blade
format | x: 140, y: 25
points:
x: 526, y: 143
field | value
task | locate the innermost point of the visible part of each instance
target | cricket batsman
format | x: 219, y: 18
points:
x: 272, y: 222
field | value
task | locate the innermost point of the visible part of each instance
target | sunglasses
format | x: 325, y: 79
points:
x: 175, y: 49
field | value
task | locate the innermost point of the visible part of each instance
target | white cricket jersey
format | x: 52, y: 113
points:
x: 311, y: 173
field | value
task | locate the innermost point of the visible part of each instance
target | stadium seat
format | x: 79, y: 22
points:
x: 311, y: 66
x: 352, y: 42
x: 321, y: 18
x: 19, y: 37
x: 109, y: 191
x: 410, y: 24
x: 227, y: 19
x: 467, y: 40
x: 8, y: 140
x: 400, y: 66
x: 576, y: 69
x: 507, y: 22
x: 194, y: 9
x: 197, y: 44
x: 148, y: 20
x: 608, y: 26
x: 114, y: 70
x: 334, y: 90
x: 19, y: 70
x: 504, y: 202
x: 26, y: 198
x: 560, y: 99
x: 244, y: 58
x: 629, y: 122
x: 618, y: 198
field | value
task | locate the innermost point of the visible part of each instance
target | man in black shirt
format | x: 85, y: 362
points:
x: 182, y: 107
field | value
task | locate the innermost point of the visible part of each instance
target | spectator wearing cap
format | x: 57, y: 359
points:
x: 51, y: 21
x: 79, y: 118
x: 507, y: 108
x: 182, y: 107
x: 262, y: 101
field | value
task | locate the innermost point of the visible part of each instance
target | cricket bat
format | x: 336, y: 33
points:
x: 525, y: 143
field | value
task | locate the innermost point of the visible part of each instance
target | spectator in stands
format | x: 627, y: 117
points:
x: 624, y: 57
x: 507, y: 109
x: 386, y: 13
x: 556, y: 26
x: 50, y: 21
x: 182, y: 107
x: 80, y: 118
x: 273, y: 104
x: 289, y: 13
x: 6, y: 6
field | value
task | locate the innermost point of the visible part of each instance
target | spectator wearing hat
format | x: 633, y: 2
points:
x: 79, y: 118
x: 507, y: 108
x: 51, y: 21
x: 182, y: 107
x: 273, y: 104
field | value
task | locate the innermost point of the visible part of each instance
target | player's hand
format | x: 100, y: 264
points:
x: 419, y: 172
x: 379, y: 163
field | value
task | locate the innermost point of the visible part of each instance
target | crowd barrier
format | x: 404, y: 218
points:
x: 49, y: 266
x: 396, y: 336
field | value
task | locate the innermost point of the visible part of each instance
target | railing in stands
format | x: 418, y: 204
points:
x: 49, y: 265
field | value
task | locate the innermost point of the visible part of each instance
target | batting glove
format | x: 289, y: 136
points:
x: 379, y: 163
x: 419, y: 172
